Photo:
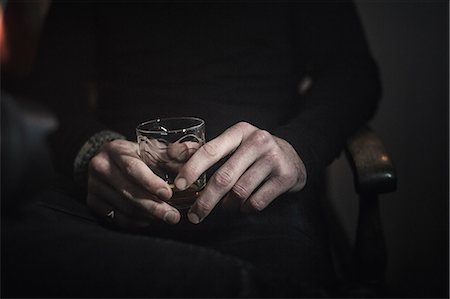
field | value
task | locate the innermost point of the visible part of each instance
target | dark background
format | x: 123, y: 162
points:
x: 409, y: 40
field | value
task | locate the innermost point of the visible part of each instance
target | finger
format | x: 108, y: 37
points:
x: 125, y: 168
x: 211, y: 152
x: 271, y: 189
x: 102, y: 190
x: 246, y: 185
x: 110, y: 215
x: 228, y: 174
x: 182, y: 151
x: 132, y: 194
x: 154, y: 153
x: 140, y: 173
x: 134, y: 207
x: 178, y: 154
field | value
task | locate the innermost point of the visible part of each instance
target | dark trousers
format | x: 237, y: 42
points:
x: 54, y: 247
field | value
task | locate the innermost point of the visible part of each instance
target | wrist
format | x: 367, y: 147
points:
x: 89, y: 150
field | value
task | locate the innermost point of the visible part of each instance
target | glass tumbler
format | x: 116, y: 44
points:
x: 165, y: 145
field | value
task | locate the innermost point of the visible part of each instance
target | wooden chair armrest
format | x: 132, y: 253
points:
x: 373, y: 170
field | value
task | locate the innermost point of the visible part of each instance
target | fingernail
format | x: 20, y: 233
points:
x: 163, y: 193
x: 170, y: 217
x: 181, y: 183
x: 193, y: 218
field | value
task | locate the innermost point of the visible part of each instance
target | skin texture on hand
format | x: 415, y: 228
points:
x: 259, y: 168
x: 120, y: 181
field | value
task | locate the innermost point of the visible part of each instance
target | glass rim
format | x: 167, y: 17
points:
x: 139, y: 128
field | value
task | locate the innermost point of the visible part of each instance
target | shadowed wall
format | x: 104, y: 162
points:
x: 409, y: 40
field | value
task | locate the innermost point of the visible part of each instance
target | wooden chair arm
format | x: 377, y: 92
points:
x: 373, y: 173
x: 373, y: 170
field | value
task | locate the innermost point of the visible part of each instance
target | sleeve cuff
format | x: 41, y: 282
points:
x: 306, y: 143
x: 88, y: 150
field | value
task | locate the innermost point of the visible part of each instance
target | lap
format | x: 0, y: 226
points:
x: 64, y: 251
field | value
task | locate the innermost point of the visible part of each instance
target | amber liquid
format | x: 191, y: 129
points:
x: 184, y: 199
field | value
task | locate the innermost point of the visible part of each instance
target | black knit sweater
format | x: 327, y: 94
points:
x: 115, y: 65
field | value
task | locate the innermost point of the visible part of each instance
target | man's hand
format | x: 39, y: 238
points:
x: 260, y: 168
x: 119, y: 181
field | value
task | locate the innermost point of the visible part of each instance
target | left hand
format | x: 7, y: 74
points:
x: 259, y: 169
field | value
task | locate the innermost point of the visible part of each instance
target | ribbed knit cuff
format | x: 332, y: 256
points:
x: 89, y: 150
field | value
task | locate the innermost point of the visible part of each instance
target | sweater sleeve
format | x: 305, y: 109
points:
x: 345, y: 83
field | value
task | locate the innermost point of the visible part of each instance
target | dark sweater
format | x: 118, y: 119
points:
x: 115, y: 65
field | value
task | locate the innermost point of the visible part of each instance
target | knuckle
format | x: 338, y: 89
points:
x: 155, y: 210
x: 280, y: 180
x: 131, y: 166
x: 244, y: 125
x: 240, y: 191
x: 261, y: 137
x: 284, y: 180
x: 275, y: 158
x: 99, y: 165
x: 209, y: 149
x: 189, y: 170
x: 203, y: 206
x: 257, y: 204
x: 152, y: 208
x: 111, y: 145
x: 116, y: 143
x: 108, y: 146
x: 222, y: 179
x: 288, y: 175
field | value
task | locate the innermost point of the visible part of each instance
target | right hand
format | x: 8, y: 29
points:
x: 119, y: 181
